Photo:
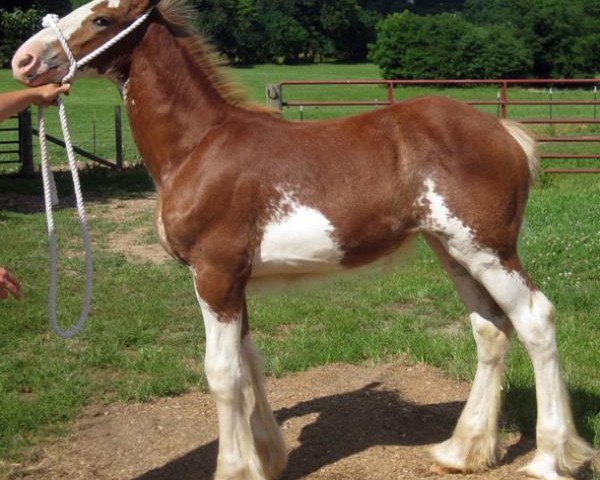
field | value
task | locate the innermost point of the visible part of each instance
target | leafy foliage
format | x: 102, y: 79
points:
x: 492, y: 39
x: 446, y: 46
x: 416, y: 38
x: 19, y: 19
x: 560, y: 33
x: 289, y: 31
x: 15, y: 26
x: 60, y: 7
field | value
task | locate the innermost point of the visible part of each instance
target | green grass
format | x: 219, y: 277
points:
x: 144, y: 338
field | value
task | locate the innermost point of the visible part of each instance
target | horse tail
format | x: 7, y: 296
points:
x: 527, y: 143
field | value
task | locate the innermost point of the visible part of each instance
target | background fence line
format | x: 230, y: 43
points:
x: 276, y: 98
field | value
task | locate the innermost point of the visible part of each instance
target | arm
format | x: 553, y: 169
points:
x: 12, y: 103
x: 9, y: 284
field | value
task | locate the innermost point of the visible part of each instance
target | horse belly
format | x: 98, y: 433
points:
x: 302, y: 242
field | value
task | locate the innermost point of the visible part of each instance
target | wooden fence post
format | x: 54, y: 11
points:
x: 118, y: 137
x: 274, y: 98
x: 25, y: 142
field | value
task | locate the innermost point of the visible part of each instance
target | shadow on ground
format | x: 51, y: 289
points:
x: 25, y: 194
x: 342, y: 429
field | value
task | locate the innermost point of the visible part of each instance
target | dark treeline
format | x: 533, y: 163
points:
x: 405, y: 38
x: 293, y: 31
x: 492, y: 39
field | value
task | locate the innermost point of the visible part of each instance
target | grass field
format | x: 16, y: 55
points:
x: 144, y: 338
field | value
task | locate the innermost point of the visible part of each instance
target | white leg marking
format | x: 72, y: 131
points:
x: 474, y: 445
x: 250, y: 444
x: 560, y: 449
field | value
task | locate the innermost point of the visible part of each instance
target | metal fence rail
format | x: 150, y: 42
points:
x: 276, y: 98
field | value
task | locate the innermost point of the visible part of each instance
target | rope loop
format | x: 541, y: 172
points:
x: 51, y: 199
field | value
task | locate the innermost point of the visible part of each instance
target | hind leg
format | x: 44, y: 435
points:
x: 560, y: 451
x: 474, y: 445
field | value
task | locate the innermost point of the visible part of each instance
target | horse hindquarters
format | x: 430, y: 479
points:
x: 250, y: 444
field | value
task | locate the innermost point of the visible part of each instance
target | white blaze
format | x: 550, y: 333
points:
x: 72, y: 22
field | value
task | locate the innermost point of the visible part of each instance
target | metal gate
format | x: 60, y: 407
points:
x: 16, y: 143
x: 503, y: 102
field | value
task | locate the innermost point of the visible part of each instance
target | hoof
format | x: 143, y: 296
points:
x: 539, y: 471
x: 441, y: 470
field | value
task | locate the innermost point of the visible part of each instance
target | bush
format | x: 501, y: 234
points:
x: 16, y: 27
x: 494, y: 52
x: 447, y: 46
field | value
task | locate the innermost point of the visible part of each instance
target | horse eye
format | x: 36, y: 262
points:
x: 101, y: 22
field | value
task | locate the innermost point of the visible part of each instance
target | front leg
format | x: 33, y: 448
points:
x: 250, y: 443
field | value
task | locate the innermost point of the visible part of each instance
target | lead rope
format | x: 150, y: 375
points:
x: 51, y: 199
x: 50, y: 194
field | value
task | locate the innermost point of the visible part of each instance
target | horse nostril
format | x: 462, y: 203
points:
x: 25, y: 61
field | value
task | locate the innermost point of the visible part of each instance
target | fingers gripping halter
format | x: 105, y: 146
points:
x: 50, y: 195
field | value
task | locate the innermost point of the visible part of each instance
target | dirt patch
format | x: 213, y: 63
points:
x: 339, y: 422
x: 136, y: 247
x: 126, y: 209
x: 138, y: 244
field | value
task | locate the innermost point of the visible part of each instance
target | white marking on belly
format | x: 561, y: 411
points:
x: 301, y: 241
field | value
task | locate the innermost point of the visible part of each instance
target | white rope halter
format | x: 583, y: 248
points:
x: 51, y: 21
x: 50, y: 194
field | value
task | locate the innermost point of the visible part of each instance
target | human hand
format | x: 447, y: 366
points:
x: 48, y: 94
x: 9, y: 284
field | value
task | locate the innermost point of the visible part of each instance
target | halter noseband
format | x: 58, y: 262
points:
x: 51, y: 21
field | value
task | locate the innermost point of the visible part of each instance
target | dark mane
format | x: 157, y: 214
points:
x: 182, y: 18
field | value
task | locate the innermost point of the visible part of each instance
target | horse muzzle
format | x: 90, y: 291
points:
x: 35, y: 65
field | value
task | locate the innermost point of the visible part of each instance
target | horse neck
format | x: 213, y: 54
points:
x: 170, y: 100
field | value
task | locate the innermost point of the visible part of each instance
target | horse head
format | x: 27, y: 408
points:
x: 42, y: 59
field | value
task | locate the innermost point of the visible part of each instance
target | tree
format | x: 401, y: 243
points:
x: 60, y: 7
x: 15, y: 27
x: 217, y: 20
x: 494, y: 52
x: 498, y: 12
x: 556, y: 25
x: 420, y: 7
x: 348, y: 29
x: 250, y: 31
x: 586, y: 56
x: 410, y: 46
x: 447, y: 46
x: 19, y: 19
x: 286, y: 37
x: 559, y: 32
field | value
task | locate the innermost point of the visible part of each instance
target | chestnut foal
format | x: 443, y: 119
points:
x: 244, y: 195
